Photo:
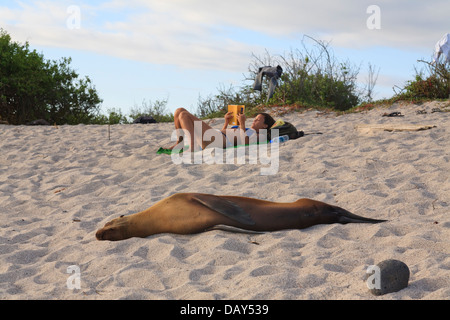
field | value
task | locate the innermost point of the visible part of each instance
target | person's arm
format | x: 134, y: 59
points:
x: 228, y: 116
x: 243, y: 136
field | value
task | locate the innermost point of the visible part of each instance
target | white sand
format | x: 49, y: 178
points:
x: 59, y: 185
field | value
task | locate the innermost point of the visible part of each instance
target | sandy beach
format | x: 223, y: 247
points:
x: 58, y: 185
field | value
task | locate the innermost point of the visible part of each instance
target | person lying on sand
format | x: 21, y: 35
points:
x: 186, y: 121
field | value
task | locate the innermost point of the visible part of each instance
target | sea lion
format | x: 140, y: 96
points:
x: 188, y: 213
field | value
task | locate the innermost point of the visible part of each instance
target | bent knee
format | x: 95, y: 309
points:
x: 178, y: 111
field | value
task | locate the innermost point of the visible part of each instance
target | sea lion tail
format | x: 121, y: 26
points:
x: 348, y: 217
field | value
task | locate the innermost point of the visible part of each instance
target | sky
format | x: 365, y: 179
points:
x: 136, y: 50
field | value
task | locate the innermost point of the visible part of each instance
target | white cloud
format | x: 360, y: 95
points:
x: 193, y: 33
x: 149, y: 36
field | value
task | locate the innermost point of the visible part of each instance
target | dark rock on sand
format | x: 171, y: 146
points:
x: 393, y: 277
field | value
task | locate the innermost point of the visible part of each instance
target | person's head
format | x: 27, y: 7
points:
x: 262, y: 121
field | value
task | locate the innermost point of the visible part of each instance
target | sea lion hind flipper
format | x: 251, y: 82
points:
x: 226, y: 207
x: 348, y: 217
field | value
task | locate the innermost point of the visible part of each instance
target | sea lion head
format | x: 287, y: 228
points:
x: 114, y: 230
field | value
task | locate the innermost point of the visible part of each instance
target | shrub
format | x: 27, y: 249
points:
x: 311, y: 76
x: 433, y: 83
x: 114, y: 117
x: 157, y: 110
x: 34, y: 88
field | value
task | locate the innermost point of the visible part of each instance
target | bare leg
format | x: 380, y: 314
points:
x: 176, y: 117
x: 176, y: 120
x: 183, y: 119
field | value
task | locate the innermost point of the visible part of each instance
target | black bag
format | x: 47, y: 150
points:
x: 288, y: 129
x: 145, y: 119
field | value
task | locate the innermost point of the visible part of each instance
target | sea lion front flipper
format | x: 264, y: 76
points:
x: 226, y: 207
x: 224, y: 227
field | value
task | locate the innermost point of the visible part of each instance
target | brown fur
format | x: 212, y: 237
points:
x: 184, y: 213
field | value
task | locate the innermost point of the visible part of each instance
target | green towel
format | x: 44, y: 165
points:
x: 170, y: 151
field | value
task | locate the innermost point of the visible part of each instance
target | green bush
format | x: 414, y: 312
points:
x: 311, y: 76
x: 157, y: 110
x: 430, y: 88
x: 114, y: 117
x: 34, y: 88
x: 319, y: 90
x: 432, y: 83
